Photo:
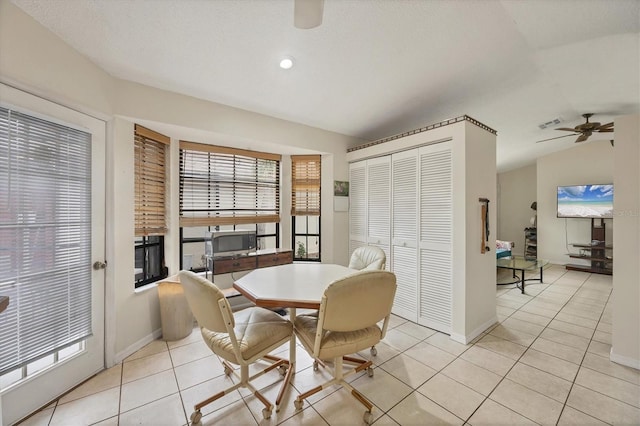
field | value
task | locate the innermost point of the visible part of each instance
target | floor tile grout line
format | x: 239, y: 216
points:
x: 520, y: 357
x: 573, y: 382
x: 175, y: 377
x: 457, y: 357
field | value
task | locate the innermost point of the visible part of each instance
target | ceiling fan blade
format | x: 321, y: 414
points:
x: 601, y: 130
x: 557, y: 137
x: 307, y: 13
x: 566, y: 129
x: 583, y: 137
x: 604, y: 126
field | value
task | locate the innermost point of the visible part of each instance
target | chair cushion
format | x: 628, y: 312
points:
x: 256, y: 330
x: 334, y: 343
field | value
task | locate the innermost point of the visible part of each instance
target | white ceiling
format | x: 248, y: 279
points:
x: 379, y: 67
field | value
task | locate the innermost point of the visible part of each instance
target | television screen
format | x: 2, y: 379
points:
x: 591, y: 201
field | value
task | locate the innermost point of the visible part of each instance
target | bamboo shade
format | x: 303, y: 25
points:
x: 305, y: 185
x: 227, y: 186
x: 150, y: 178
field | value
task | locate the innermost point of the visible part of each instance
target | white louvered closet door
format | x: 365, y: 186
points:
x: 436, y: 237
x: 379, y: 204
x: 357, y: 205
x: 404, y: 239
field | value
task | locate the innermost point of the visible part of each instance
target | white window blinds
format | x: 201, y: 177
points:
x: 45, y: 237
x: 305, y: 185
x: 227, y: 186
x: 150, y: 189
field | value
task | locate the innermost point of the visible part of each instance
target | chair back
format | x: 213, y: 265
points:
x: 368, y: 258
x: 357, y: 301
x: 206, y: 300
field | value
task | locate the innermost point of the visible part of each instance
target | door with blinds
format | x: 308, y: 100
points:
x: 404, y: 239
x: 52, y: 177
x: 435, y: 236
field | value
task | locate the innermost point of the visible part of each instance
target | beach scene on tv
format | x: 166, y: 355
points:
x: 591, y: 201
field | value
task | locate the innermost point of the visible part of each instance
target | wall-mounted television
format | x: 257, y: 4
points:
x: 589, y: 201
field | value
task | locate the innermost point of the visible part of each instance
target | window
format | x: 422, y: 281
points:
x: 150, y: 208
x: 223, y: 188
x: 45, y: 243
x: 305, y: 206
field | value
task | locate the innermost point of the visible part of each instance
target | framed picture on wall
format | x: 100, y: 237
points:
x: 341, y: 188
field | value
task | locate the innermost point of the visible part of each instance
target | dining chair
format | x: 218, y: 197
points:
x: 368, y: 258
x: 241, y: 338
x: 347, y: 322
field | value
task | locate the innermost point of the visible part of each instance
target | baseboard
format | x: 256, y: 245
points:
x: 625, y: 360
x: 131, y: 349
x: 466, y: 339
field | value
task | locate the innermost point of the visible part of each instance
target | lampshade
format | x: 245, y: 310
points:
x: 534, y: 205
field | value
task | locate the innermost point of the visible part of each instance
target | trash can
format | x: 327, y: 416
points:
x: 175, y: 315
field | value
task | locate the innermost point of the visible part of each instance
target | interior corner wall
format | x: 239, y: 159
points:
x: 517, y: 189
x: 480, y: 268
x: 137, y: 313
x: 587, y: 163
x: 625, y: 340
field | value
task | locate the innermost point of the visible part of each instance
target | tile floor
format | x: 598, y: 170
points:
x: 546, y: 362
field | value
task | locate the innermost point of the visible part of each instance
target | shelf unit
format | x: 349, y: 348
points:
x: 530, y: 243
x: 597, y: 252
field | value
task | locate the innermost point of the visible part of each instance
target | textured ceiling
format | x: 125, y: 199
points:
x: 380, y: 67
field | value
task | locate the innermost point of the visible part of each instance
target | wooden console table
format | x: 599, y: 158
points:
x: 254, y: 260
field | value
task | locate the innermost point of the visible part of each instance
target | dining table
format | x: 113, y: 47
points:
x: 292, y: 286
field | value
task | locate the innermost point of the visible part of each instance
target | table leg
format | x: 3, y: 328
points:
x: 292, y: 363
x: 541, y: 275
x: 522, y: 282
x: 292, y: 342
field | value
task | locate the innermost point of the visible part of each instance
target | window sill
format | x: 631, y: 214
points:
x: 146, y: 287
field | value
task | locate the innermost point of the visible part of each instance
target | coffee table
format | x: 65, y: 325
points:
x: 521, y: 264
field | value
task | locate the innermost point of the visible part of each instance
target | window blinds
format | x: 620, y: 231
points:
x: 45, y: 237
x: 305, y: 185
x: 227, y: 186
x: 150, y: 189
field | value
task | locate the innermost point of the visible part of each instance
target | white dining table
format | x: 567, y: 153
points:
x: 295, y: 285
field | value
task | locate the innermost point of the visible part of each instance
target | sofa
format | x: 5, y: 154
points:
x: 503, y: 248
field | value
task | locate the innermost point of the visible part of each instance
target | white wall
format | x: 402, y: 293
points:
x: 626, y: 243
x: 480, y: 269
x: 33, y: 57
x: 517, y: 189
x: 36, y: 60
x: 586, y: 163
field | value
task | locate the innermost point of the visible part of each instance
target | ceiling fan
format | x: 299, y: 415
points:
x: 307, y: 14
x: 584, y: 130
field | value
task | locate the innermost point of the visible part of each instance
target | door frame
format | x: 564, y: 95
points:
x: 33, y: 393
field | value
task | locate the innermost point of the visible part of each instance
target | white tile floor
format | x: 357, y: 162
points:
x: 545, y: 363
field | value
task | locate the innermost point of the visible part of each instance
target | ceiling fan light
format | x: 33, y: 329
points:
x: 286, y: 63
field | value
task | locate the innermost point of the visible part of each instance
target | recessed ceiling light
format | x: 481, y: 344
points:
x: 286, y: 63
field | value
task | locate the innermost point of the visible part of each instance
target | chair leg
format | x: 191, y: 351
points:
x: 338, y: 379
x: 244, y: 382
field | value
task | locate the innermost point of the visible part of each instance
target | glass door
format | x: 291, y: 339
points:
x: 52, y: 231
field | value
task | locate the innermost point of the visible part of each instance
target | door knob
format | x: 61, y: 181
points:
x: 99, y: 265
